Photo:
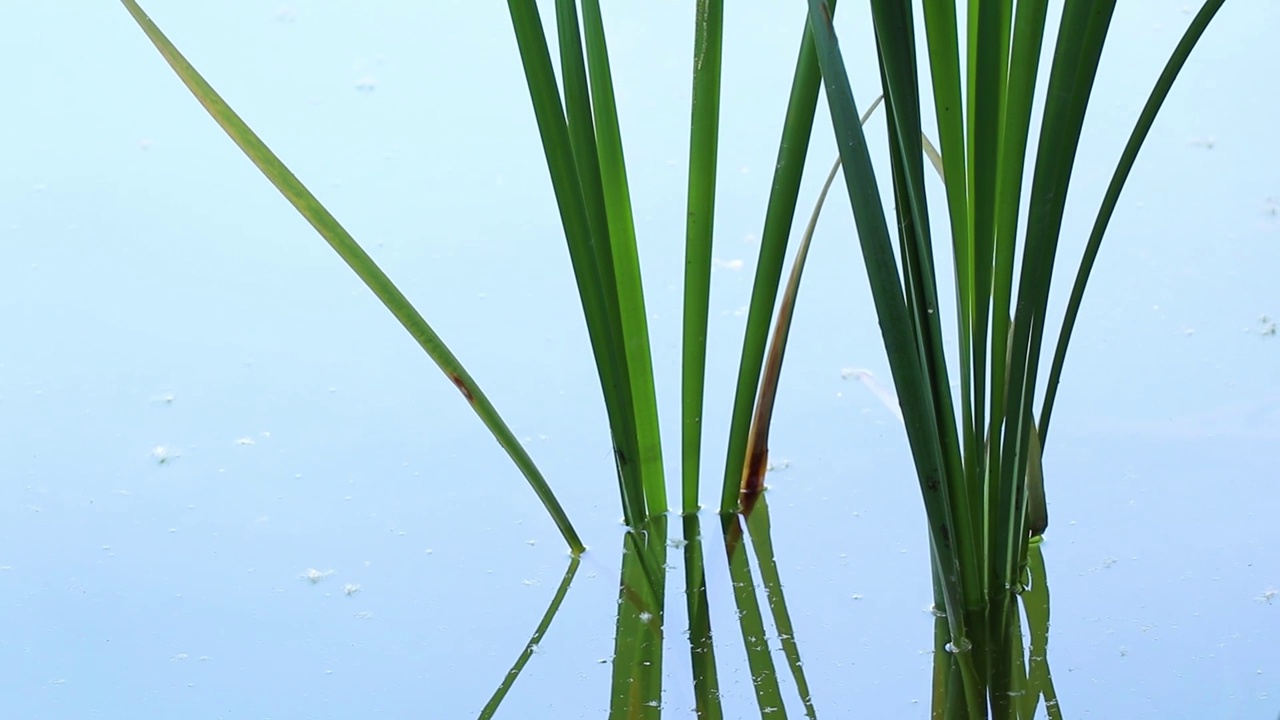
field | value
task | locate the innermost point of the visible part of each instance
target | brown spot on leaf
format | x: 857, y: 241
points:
x: 462, y: 387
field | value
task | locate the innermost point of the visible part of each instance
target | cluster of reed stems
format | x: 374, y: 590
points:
x: 977, y: 457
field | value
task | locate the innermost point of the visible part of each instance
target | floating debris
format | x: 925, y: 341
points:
x: 314, y: 576
x: 350, y: 589
x: 882, y: 393
x: 164, y: 455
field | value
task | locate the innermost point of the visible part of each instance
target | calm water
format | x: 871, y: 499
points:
x: 233, y: 487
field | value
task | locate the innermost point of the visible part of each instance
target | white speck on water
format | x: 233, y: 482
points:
x: 1268, y: 595
x: 677, y: 543
x: 350, y: 589
x: 367, y: 84
x: 314, y: 576
x: 164, y: 454
x: 245, y: 441
x: 528, y: 583
x: 856, y: 596
x: 179, y: 656
x: 779, y: 465
x: 364, y: 615
x: 166, y: 399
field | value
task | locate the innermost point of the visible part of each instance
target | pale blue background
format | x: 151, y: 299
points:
x: 155, y: 291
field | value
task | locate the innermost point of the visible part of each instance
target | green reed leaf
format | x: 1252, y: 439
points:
x: 359, y: 261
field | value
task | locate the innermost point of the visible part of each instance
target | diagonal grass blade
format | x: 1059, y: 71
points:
x: 358, y: 260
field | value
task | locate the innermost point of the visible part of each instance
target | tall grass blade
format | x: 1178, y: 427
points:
x: 358, y: 260
x: 797, y: 130
x: 591, y: 255
x: 988, y: 81
x: 622, y: 239
x: 704, y: 136
x: 891, y: 308
x: 500, y: 694
x: 593, y: 246
x: 758, y: 438
x: 1078, y: 48
x: 1130, y: 155
x: 895, y: 44
x: 1028, y: 40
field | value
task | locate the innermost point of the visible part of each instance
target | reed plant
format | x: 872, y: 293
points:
x: 977, y: 460
x: 977, y: 457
